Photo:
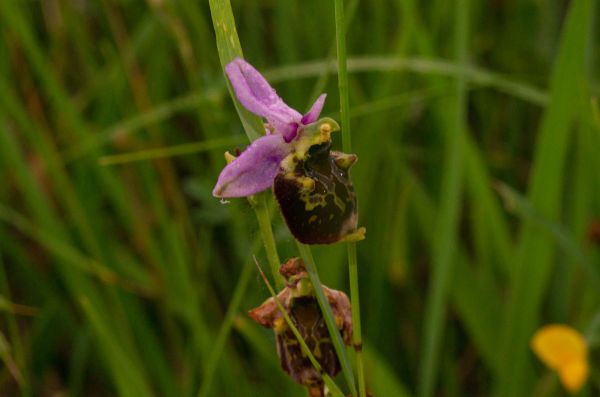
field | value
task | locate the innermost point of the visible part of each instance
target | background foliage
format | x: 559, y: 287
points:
x: 478, y: 132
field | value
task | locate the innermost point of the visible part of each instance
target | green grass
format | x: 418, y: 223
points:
x: 477, y: 180
x: 446, y: 230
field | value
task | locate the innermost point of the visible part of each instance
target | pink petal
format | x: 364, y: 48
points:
x: 255, y: 93
x: 315, y: 110
x: 254, y: 170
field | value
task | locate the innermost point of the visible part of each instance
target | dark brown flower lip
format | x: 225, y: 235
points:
x: 316, y: 196
x: 299, y: 302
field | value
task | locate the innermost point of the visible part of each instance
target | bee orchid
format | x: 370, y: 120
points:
x: 300, y: 303
x: 255, y: 169
x: 311, y: 182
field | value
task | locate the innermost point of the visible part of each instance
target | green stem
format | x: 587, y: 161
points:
x: 229, y: 48
x: 340, y: 30
x: 592, y: 335
x: 14, y: 337
x: 336, y: 339
x: 449, y: 213
x: 356, y: 327
x: 227, y: 325
x: 259, y: 204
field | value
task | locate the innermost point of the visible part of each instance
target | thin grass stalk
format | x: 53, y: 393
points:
x: 224, y: 331
x: 340, y: 33
x: 228, y: 322
x: 534, y: 256
x: 445, y: 253
x: 18, y: 367
x: 340, y: 30
x: 170, y: 151
x: 329, y: 61
x: 336, y: 338
x: 259, y: 204
x: 356, y: 325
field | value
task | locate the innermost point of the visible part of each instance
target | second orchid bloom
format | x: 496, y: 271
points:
x: 310, y: 181
x: 299, y: 301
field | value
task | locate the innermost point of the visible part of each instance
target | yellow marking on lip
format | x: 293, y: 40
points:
x: 308, y: 184
x: 279, y: 325
x: 309, y: 204
x: 288, y: 164
x: 314, y: 134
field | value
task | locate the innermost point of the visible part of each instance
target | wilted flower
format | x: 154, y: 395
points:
x: 564, y: 350
x: 311, y: 182
x: 300, y: 303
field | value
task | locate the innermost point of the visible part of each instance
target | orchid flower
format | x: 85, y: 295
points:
x: 310, y: 181
x: 299, y: 301
x: 255, y: 169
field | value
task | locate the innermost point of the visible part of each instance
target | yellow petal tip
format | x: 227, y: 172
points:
x: 574, y: 375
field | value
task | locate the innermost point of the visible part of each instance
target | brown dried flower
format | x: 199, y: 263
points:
x: 300, y: 303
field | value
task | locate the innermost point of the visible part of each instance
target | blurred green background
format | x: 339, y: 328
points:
x: 477, y: 128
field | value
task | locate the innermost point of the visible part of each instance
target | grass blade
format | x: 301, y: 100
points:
x: 357, y: 343
x: 444, y: 254
x: 533, y: 257
x: 336, y: 338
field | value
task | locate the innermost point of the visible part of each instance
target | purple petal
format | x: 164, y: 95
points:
x: 289, y: 132
x: 254, y: 170
x: 315, y: 110
x: 255, y: 93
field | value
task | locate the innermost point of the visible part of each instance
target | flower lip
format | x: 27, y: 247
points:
x: 302, y: 307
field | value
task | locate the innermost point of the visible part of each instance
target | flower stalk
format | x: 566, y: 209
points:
x: 259, y: 204
x: 355, y: 303
x: 336, y: 338
x: 340, y: 30
x: 229, y: 48
x: 340, y: 33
